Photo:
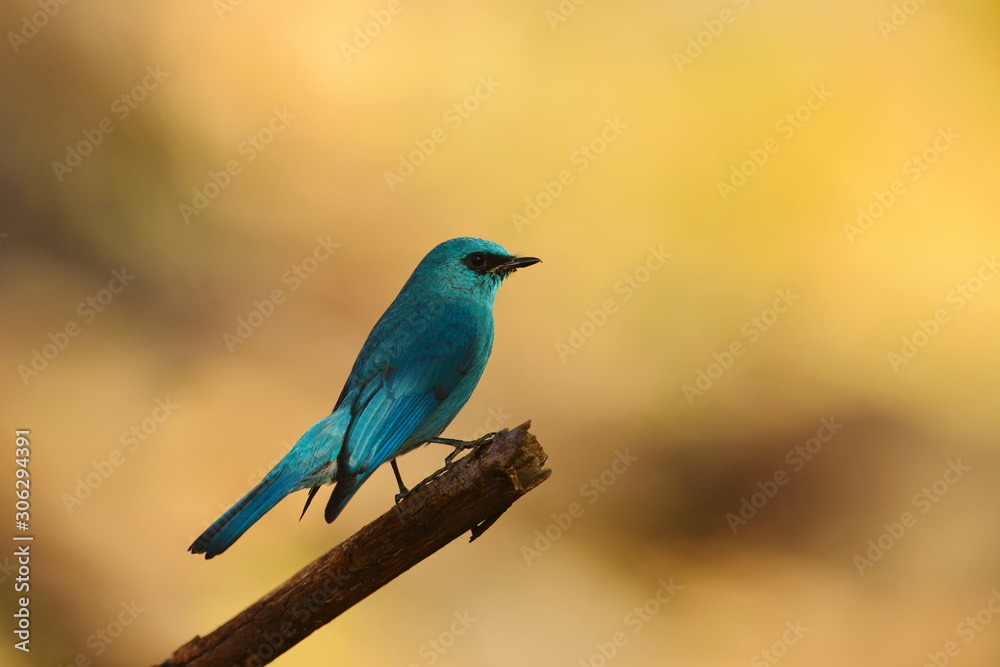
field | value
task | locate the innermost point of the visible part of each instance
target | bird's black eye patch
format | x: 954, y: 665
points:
x: 482, y: 263
x: 476, y: 260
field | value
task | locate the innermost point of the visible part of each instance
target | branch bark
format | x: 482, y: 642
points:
x: 479, y: 488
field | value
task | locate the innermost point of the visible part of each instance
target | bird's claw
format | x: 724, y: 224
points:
x: 475, y: 446
x: 461, y: 446
x: 449, y: 461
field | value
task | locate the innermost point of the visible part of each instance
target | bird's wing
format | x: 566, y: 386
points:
x: 393, y: 404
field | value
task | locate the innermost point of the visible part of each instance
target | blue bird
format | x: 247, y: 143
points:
x: 414, y: 373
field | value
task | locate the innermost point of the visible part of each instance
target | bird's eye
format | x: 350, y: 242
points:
x: 476, y: 260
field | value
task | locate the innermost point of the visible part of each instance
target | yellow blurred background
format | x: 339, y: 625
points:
x: 761, y: 349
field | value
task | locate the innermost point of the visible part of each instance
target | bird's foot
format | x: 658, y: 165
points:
x: 461, y: 446
x: 403, y: 491
x: 449, y: 461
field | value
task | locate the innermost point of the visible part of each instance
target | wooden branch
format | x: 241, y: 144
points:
x: 470, y: 497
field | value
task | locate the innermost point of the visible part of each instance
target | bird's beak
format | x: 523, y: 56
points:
x: 515, y: 263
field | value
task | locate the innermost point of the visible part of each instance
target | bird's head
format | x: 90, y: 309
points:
x: 471, y: 265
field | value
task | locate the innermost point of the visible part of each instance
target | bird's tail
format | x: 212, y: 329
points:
x: 347, y: 486
x: 230, y: 526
